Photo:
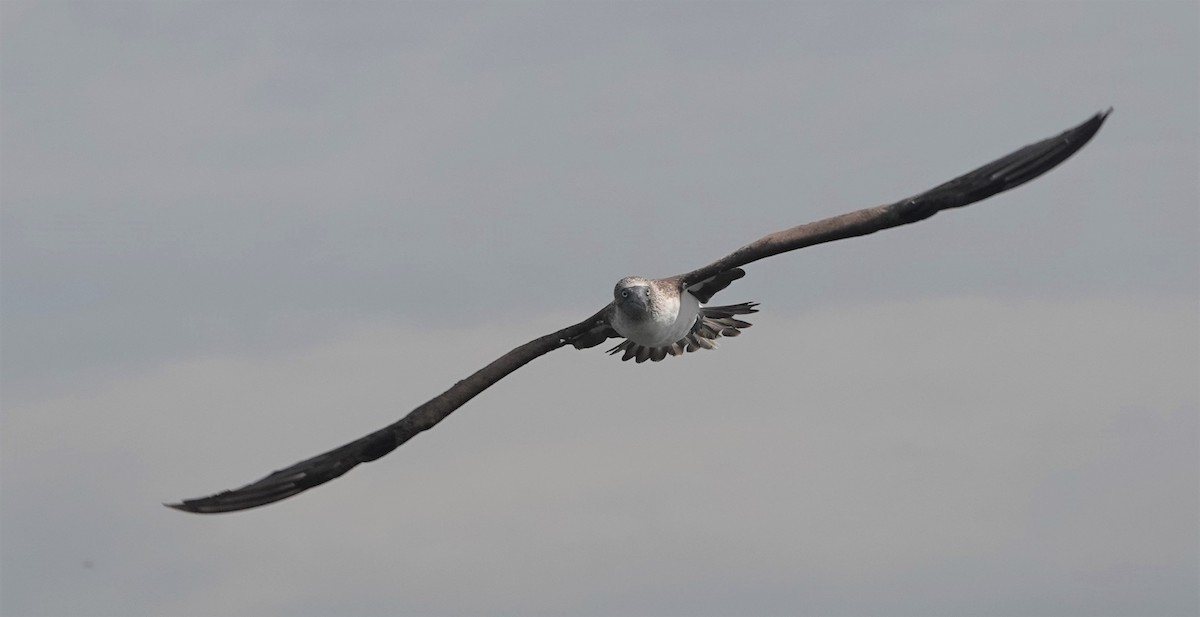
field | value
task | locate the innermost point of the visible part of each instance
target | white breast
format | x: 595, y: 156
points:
x: 668, y: 325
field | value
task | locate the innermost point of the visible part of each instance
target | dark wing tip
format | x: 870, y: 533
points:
x: 1048, y: 153
x: 1002, y: 174
x: 203, y: 505
x: 301, y: 476
x: 1038, y: 158
x: 265, y: 491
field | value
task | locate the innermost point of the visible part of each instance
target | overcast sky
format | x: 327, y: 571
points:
x: 237, y: 235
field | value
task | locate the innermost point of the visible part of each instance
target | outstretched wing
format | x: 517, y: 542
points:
x: 325, y: 467
x: 999, y: 175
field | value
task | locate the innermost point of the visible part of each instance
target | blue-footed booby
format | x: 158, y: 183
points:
x: 660, y: 317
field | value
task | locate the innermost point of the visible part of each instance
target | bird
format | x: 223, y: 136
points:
x: 660, y: 318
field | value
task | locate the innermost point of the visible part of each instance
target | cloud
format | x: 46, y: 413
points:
x: 234, y: 236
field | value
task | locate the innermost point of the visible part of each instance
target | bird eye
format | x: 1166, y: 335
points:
x: 624, y: 293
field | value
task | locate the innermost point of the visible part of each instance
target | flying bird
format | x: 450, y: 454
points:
x: 660, y: 317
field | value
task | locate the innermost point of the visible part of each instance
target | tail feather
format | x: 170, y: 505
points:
x: 729, y: 310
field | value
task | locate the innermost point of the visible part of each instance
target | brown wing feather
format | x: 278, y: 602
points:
x: 706, y: 289
x: 1000, y: 175
x: 325, y: 467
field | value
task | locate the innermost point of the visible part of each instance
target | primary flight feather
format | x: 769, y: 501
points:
x: 660, y: 317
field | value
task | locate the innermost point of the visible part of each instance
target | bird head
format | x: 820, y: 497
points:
x: 632, y: 296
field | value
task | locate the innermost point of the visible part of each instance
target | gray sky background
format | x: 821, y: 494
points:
x: 236, y: 235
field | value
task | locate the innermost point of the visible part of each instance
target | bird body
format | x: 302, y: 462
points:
x: 653, y: 313
x: 662, y: 317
